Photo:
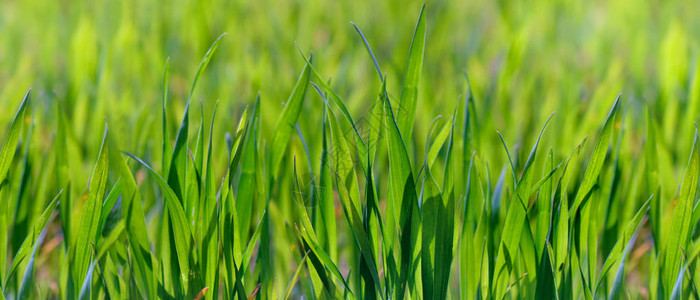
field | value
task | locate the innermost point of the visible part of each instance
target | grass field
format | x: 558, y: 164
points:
x: 541, y: 149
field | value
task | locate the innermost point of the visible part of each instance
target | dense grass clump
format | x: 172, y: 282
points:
x: 540, y: 150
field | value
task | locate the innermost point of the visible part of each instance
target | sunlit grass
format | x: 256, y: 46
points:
x: 440, y: 151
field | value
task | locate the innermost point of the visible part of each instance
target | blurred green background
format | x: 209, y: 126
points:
x: 524, y: 59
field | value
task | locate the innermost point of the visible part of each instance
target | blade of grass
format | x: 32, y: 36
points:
x: 680, y: 231
x: 7, y: 154
x: 177, y: 172
x: 296, y: 275
x: 209, y: 237
x: 597, y: 159
x: 167, y: 147
x: 143, y: 261
x: 616, y: 292
x: 26, y: 287
x: 109, y: 203
x: 181, y: 230
x: 90, y: 215
x: 402, y: 195
x: 32, y: 238
x: 409, y: 90
x: 620, y: 249
x: 284, y: 126
x: 544, y: 207
x: 335, y: 99
x: 515, y: 221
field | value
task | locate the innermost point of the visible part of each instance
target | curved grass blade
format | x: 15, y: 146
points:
x: 652, y: 179
x: 369, y: 51
x: 143, y: 261
x: 318, y: 251
x: 180, y: 228
x: 510, y: 159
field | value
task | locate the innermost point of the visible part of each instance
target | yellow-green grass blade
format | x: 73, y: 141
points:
x: 63, y: 175
x: 245, y: 195
x: 167, y: 153
x: 7, y: 154
x: 439, y: 141
x: 544, y: 207
x: 326, y: 223
x: 469, y: 273
x: 177, y: 172
x: 595, y: 164
x: 9, y: 145
x: 209, y: 239
x: 651, y: 159
x: 681, y: 229
x: 203, y: 65
x: 515, y: 222
x: 406, y: 112
x: 284, y: 126
x: 88, y: 232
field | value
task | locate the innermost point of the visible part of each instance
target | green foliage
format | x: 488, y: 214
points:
x: 429, y: 183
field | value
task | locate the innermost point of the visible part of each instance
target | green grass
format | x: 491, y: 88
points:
x: 477, y: 150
